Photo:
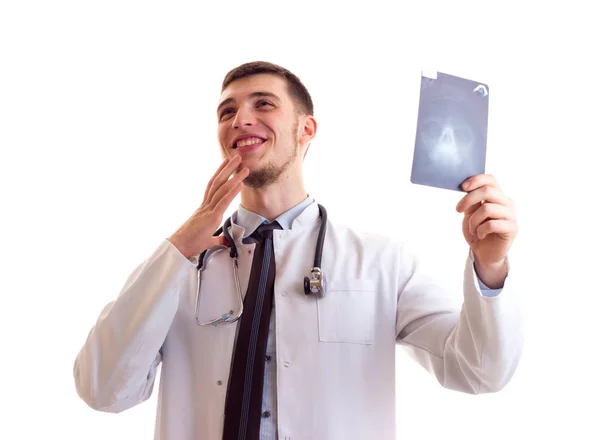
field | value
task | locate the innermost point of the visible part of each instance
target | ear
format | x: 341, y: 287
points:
x: 308, y: 130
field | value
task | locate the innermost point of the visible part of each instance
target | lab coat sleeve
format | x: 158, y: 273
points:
x: 116, y: 367
x: 471, y: 342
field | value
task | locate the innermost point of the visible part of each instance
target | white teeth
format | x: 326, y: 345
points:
x: 248, y: 141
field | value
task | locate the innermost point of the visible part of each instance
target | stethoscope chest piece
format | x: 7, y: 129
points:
x: 316, y: 284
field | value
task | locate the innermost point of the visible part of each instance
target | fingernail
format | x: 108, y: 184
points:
x: 467, y: 184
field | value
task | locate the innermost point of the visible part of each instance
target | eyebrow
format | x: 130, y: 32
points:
x: 252, y: 95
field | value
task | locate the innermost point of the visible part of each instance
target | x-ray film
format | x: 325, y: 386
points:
x: 451, y: 139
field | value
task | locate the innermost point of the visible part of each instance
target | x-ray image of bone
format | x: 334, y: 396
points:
x: 451, y: 137
x: 446, y: 152
x: 448, y: 145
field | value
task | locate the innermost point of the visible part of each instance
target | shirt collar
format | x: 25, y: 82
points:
x: 249, y: 220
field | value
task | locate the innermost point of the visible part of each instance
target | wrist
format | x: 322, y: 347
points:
x: 493, y: 274
x: 175, y: 242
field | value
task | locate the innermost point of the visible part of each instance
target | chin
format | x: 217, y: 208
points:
x: 264, y: 176
x: 252, y: 164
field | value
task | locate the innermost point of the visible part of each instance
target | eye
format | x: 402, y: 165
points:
x: 262, y: 103
x: 225, y: 112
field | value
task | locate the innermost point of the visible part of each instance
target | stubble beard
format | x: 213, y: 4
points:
x: 271, y: 173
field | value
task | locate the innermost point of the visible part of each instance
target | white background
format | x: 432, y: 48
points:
x: 108, y: 137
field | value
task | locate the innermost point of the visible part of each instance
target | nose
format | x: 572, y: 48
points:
x: 243, y: 118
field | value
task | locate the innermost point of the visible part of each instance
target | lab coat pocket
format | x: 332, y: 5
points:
x: 347, y: 312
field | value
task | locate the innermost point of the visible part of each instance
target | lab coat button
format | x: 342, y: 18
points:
x: 286, y: 364
x: 266, y: 414
x: 268, y: 358
x: 219, y: 382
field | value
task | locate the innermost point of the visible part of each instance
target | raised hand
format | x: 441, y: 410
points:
x: 196, y: 234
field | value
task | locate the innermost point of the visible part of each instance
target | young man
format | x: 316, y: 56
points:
x: 295, y: 365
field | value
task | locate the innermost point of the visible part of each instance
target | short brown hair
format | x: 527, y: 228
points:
x: 296, y: 89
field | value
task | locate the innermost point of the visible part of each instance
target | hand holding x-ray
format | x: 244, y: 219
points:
x: 451, y: 138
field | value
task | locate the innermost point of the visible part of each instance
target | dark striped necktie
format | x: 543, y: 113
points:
x: 244, y: 399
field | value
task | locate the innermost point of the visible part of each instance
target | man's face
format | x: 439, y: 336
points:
x: 258, y: 121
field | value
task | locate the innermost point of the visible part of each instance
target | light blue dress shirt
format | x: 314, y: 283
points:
x: 250, y: 221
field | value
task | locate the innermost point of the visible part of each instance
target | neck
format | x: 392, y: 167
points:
x: 275, y: 199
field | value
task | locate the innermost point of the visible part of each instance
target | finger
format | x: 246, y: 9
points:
x: 225, y: 172
x: 489, y: 211
x: 212, y: 179
x: 496, y: 227
x: 489, y: 194
x: 478, y: 181
x: 471, y: 209
x: 228, y: 197
x: 223, y: 176
x: 226, y: 187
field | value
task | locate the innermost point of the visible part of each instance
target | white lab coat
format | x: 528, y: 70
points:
x: 335, y: 356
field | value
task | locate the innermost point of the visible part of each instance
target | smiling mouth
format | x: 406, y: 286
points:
x: 248, y: 142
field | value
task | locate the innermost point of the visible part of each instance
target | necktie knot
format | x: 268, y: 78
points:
x: 266, y: 230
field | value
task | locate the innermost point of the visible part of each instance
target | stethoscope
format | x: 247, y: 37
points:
x: 316, y: 284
